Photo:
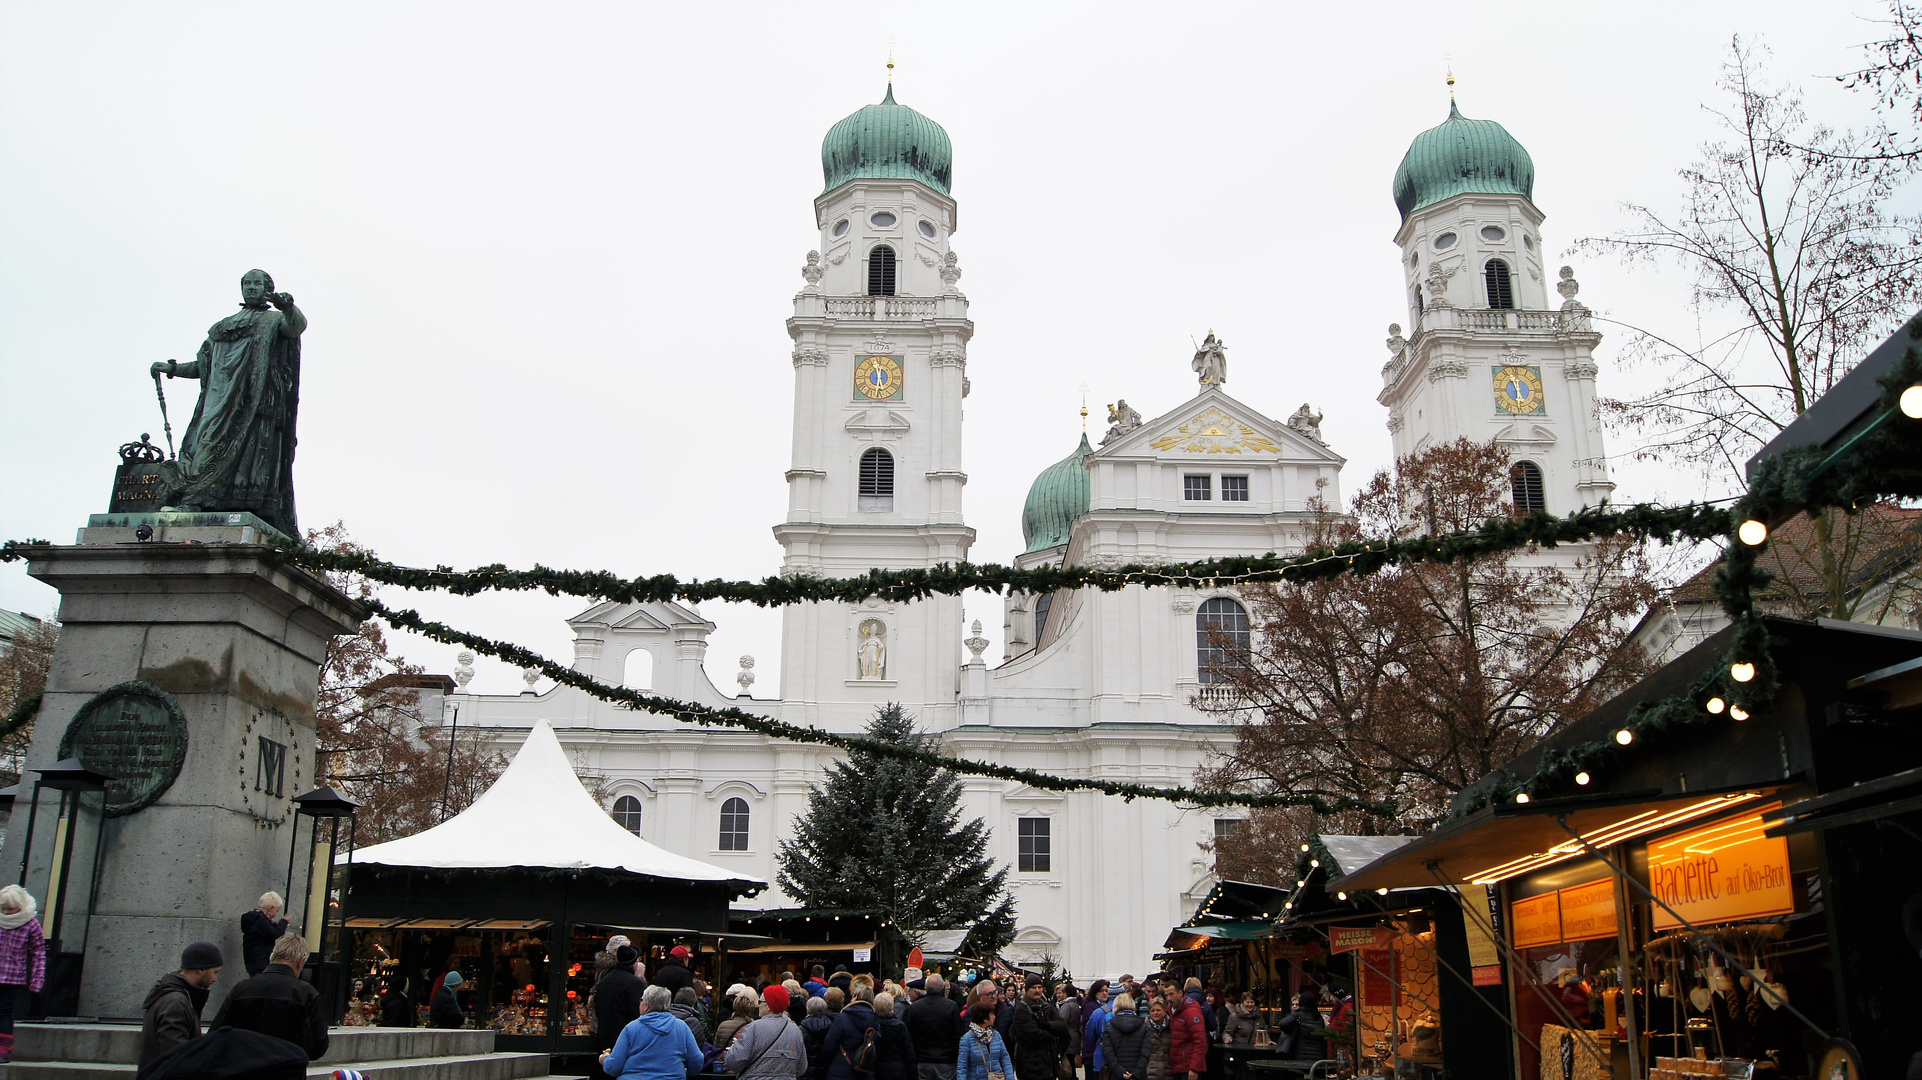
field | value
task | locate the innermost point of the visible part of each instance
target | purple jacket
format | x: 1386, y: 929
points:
x: 23, y: 956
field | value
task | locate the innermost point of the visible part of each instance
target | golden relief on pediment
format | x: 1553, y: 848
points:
x: 1215, y: 432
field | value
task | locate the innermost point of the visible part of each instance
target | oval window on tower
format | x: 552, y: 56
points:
x: 1528, y: 242
x: 927, y: 229
x: 841, y: 227
x: 1493, y: 232
x: 1445, y: 241
x: 882, y: 220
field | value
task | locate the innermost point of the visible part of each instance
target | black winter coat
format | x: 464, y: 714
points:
x: 172, y: 1015
x: 617, y: 1002
x: 1125, y: 1046
x: 935, y: 1024
x: 1039, y: 1035
x: 814, y: 1032
x: 275, y: 1002
x: 846, y: 1036
x: 445, y: 1012
x: 257, y: 936
x: 396, y: 1010
x: 1309, y: 1034
x: 675, y: 976
x: 896, y: 1059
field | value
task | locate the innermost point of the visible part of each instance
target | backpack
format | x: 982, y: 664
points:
x: 863, y: 1059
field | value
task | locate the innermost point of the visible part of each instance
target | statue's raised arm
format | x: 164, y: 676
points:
x: 238, y: 452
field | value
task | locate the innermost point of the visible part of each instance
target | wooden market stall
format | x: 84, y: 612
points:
x: 518, y: 893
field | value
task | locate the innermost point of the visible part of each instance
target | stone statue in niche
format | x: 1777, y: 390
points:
x: 1306, y: 421
x: 872, y: 653
x: 238, y: 451
x: 1211, y: 361
x: 1122, y: 418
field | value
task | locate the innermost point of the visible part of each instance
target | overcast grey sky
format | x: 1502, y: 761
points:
x: 547, y: 249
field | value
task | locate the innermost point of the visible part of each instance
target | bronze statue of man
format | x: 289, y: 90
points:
x: 238, y: 452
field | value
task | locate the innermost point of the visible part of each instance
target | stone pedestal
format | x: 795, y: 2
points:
x: 236, y: 637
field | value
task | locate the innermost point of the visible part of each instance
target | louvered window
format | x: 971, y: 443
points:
x: 1525, y: 480
x: 1501, y: 291
x: 877, y: 479
x: 881, y: 271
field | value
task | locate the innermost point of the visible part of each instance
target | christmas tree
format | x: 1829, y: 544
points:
x: 886, y: 833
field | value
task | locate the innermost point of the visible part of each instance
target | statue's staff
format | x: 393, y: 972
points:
x: 165, y: 424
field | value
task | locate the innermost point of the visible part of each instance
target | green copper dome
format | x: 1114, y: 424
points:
x: 1058, y: 497
x: 887, y: 140
x: 1462, y: 155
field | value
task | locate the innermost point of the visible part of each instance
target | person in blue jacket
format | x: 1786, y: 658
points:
x: 1092, y: 1031
x: 656, y: 1045
x: 982, y: 1051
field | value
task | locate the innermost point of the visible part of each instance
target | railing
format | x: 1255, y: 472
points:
x: 1499, y: 320
x: 881, y: 308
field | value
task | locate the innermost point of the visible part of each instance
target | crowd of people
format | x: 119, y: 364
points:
x: 846, y: 1026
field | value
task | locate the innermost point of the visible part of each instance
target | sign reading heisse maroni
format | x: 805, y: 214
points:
x: 1343, y: 939
x: 134, y: 732
x: 1720, y: 873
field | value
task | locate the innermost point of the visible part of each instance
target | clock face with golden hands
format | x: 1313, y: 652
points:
x: 878, y: 378
x: 1518, y: 389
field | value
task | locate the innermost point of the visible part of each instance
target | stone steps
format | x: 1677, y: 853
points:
x: 109, y: 1051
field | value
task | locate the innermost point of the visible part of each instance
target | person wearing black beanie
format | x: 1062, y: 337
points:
x: 173, y: 1005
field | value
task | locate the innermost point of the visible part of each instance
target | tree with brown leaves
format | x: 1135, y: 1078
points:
x: 24, y: 661
x: 1412, y: 683
x: 375, y: 744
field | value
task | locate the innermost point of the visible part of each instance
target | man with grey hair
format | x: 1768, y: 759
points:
x: 771, y: 1048
x: 656, y: 1045
x: 935, y: 1024
x: 275, y: 1002
x: 259, y: 929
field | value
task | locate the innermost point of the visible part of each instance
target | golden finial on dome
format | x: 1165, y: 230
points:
x: 890, y: 61
x: 1449, y: 59
x: 1084, y: 408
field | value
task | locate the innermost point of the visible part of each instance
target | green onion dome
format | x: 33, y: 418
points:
x: 887, y: 140
x: 1058, y: 497
x: 1462, y: 155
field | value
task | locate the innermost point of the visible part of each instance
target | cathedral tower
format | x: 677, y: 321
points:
x: 1487, y: 356
x: 880, y: 367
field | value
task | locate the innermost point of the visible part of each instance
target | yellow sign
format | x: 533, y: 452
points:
x: 1721, y: 873
x: 1482, y: 951
x: 1536, y: 920
x: 1588, y: 911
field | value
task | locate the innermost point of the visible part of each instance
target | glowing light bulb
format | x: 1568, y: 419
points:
x: 1304, y: 847
x: 1912, y: 402
x: 1314, y: 862
x: 1716, y: 705
x: 1522, y: 798
x: 1624, y: 736
x: 1752, y: 533
x: 1738, y: 712
x: 1582, y: 778
x: 1341, y: 896
x: 1742, y: 672
x: 1382, y: 891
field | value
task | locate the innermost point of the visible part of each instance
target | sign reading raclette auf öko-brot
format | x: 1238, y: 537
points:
x: 1722, y: 872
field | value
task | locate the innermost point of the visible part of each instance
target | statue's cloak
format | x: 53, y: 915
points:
x: 238, y: 452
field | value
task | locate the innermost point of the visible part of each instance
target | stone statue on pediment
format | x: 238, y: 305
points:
x: 1306, y: 421
x: 1122, y: 418
x: 1211, y: 361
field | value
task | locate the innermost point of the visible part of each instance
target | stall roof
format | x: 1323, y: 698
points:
x: 1247, y: 930
x: 1354, y: 852
x: 1240, y: 901
x: 804, y: 947
x: 1501, y: 842
x: 538, y: 815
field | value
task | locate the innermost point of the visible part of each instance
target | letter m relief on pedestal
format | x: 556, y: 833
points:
x: 270, y: 768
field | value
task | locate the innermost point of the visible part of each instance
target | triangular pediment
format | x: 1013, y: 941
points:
x: 656, y: 616
x: 1212, y: 424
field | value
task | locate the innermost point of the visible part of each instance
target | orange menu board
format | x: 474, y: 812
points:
x: 1536, y: 921
x: 1588, y: 911
x: 1721, y: 873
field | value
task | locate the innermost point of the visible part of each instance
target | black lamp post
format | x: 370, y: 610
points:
x: 324, y: 907
x: 80, y: 815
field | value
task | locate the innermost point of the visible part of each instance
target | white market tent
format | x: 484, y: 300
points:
x: 538, y: 815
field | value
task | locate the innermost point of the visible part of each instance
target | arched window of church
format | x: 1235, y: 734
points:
x: 1042, y: 605
x: 638, y: 671
x: 1525, y: 481
x: 877, y: 479
x: 1221, y: 638
x: 627, y: 811
x: 734, y: 825
x: 881, y: 271
x: 1501, y: 291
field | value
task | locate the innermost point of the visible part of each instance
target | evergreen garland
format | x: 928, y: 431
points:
x: 888, y: 830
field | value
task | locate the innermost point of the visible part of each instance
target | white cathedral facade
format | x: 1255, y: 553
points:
x: 1101, y: 685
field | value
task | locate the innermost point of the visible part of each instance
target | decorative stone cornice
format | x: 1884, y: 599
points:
x: 948, y: 356
x: 810, y: 356
x: 1581, y: 369
x: 1439, y: 369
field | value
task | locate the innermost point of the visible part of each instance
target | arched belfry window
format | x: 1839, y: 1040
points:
x: 1221, y: 638
x: 1525, y: 481
x: 627, y: 811
x: 877, y: 479
x: 881, y: 271
x: 734, y: 825
x: 1501, y: 290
